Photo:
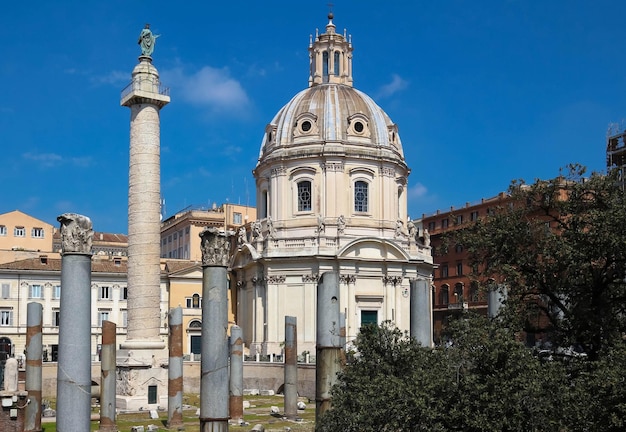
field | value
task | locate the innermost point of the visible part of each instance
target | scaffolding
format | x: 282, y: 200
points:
x: 616, y: 150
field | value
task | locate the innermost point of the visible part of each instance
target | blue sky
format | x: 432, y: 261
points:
x: 483, y: 92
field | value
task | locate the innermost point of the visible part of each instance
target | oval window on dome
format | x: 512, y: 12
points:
x: 305, y: 126
x: 358, y: 127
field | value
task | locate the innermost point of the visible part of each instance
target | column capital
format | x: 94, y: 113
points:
x: 216, y: 247
x: 76, y: 233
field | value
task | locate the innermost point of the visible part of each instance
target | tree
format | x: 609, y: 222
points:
x: 484, y: 381
x: 560, y: 250
x: 383, y: 387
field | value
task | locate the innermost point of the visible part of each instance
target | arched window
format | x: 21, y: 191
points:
x: 444, y: 294
x: 360, y: 196
x: 336, y: 63
x: 325, y: 66
x: 195, y: 301
x: 304, y: 195
x: 195, y: 324
x: 458, y: 292
x: 474, y: 293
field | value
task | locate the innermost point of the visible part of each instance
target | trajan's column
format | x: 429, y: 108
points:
x: 143, y: 378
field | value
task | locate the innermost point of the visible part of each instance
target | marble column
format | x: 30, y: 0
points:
x: 175, y: 371
x: 74, y: 362
x: 329, y: 341
x: 145, y: 97
x: 421, y: 315
x: 214, y: 386
x: 143, y: 354
x: 34, y: 351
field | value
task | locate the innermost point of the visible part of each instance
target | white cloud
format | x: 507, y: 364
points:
x: 417, y: 191
x: 64, y: 205
x: 209, y: 87
x: 112, y: 78
x: 82, y: 162
x: 49, y: 160
x: 231, y: 150
x: 45, y: 159
x: 397, y: 84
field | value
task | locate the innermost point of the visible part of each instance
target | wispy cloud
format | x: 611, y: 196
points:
x: 397, y: 84
x: 112, y: 78
x: 30, y: 203
x: 209, y: 87
x: 44, y: 159
x: 231, y: 150
x: 64, y: 206
x: 417, y: 191
x: 49, y: 160
x: 83, y: 162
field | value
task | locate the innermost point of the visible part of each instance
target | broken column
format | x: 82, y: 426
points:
x: 175, y: 370
x: 214, y: 389
x: 496, y: 298
x: 34, y: 351
x: 236, y: 373
x: 421, y: 315
x: 290, y: 390
x: 74, y: 361
x: 107, y: 377
x: 328, y: 349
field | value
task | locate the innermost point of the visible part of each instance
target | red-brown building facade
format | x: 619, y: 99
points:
x: 454, y: 290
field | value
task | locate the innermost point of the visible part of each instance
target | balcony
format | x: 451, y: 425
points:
x: 458, y: 306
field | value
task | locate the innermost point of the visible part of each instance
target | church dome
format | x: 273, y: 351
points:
x: 331, y: 154
x: 335, y: 113
x: 331, y: 112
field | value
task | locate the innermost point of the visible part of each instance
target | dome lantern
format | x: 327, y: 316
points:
x: 330, y: 57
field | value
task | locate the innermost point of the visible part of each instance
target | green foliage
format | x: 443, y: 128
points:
x: 485, y: 381
x: 383, y: 387
x: 560, y: 250
x: 560, y: 247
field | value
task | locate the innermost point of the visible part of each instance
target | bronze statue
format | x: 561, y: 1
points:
x: 147, y: 40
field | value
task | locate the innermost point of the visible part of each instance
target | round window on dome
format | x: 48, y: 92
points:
x: 305, y: 126
x: 358, y: 127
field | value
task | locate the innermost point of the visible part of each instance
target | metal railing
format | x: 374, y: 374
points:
x: 147, y: 85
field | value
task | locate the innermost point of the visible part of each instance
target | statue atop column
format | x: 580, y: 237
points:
x: 76, y: 233
x: 147, y: 41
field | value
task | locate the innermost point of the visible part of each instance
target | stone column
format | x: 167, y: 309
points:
x: 74, y: 362
x: 107, y: 378
x: 145, y: 97
x: 421, y: 316
x: 34, y: 351
x: 214, y: 389
x: 236, y: 373
x: 329, y: 356
x: 291, y: 367
x: 495, y: 300
x: 175, y: 371
x: 143, y: 352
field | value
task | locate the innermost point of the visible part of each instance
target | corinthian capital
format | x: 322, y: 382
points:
x: 216, y: 247
x: 76, y: 233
